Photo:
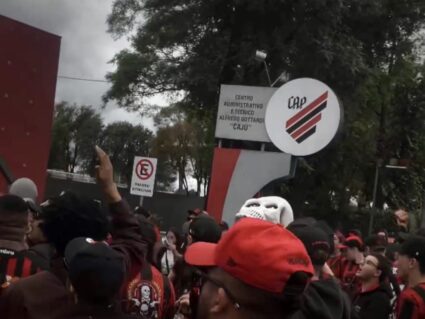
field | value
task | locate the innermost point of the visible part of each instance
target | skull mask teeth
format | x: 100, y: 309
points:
x: 272, y: 208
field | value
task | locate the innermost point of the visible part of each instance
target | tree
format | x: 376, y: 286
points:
x: 362, y: 49
x: 76, y: 129
x: 123, y: 141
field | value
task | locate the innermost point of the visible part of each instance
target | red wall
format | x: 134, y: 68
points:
x: 28, y: 71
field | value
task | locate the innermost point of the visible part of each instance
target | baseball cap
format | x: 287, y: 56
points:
x: 206, y: 229
x: 414, y: 247
x: 96, y: 270
x: 354, y: 241
x: 314, y: 240
x: 257, y: 252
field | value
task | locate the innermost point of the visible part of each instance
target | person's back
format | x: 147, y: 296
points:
x: 150, y: 294
x: 323, y: 297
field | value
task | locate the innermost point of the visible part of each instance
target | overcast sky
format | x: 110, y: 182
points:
x: 86, y: 47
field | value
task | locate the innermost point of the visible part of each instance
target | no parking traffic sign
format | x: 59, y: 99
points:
x: 143, y: 178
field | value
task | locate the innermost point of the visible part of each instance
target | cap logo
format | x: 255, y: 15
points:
x: 298, y: 261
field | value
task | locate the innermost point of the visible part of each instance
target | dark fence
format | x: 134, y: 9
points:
x: 171, y: 208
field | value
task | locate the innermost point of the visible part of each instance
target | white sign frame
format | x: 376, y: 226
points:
x: 143, y: 176
x: 241, y: 112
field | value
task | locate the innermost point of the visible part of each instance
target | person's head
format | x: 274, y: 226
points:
x: 375, y: 268
x: 150, y: 236
x: 193, y: 213
x: 95, y: 270
x: 316, y: 242
x: 173, y: 236
x: 354, y: 246
x: 375, y: 244
x: 411, y: 258
x: 205, y: 229
x: 139, y: 210
x: 69, y: 216
x: 257, y: 270
x: 13, y: 218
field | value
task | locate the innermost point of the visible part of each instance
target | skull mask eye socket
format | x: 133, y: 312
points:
x: 271, y: 206
x: 253, y: 205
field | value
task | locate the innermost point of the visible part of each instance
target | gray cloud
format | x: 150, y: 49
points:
x: 86, y: 47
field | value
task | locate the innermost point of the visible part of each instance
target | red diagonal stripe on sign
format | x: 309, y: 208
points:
x: 307, y: 126
x: 307, y: 110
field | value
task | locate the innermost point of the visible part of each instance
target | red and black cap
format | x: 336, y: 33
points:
x: 354, y: 241
x: 259, y: 253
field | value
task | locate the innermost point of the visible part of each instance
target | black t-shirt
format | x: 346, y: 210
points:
x: 372, y: 304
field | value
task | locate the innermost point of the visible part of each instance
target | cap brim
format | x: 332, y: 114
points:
x: 201, y: 254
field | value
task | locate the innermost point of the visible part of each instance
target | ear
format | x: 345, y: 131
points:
x: 220, y: 303
x: 412, y: 263
x: 378, y: 272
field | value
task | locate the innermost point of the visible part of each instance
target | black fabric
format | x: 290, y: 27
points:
x: 420, y: 291
x: 375, y: 304
x: 407, y: 312
x: 323, y: 299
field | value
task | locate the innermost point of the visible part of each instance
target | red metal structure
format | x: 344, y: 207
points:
x: 28, y: 71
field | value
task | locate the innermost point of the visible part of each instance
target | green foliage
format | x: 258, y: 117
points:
x: 76, y: 129
x: 366, y: 50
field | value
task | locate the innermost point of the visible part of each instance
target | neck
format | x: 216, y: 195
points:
x: 370, y: 284
x: 415, y: 279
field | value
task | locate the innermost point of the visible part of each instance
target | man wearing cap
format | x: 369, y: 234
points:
x: 354, y: 258
x: 257, y: 270
x: 96, y: 273
x: 202, y: 229
x: 323, y: 297
x: 411, y: 269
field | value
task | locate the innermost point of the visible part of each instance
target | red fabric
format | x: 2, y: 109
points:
x: 354, y: 238
x: 155, y: 303
x: 336, y: 264
x: 259, y: 253
x: 409, y: 296
x: 349, y: 281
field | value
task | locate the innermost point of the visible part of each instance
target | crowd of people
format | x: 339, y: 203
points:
x: 68, y: 257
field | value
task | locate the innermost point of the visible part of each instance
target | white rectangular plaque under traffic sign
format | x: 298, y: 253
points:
x: 143, y: 178
x: 241, y: 112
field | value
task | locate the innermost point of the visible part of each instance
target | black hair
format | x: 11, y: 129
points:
x: 260, y: 304
x: 177, y: 235
x: 147, y: 231
x: 384, y: 265
x: 98, y: 285
x: 142, y: 211
x: 12, y: 204
x: 69, y: 216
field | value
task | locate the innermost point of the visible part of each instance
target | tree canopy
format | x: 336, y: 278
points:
x: 368, y: 51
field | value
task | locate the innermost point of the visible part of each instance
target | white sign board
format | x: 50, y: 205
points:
x: 241, y: 112
x: 303, y: 117
x: 143, y: 178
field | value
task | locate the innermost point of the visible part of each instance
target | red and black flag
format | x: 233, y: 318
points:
x: 303, y: 124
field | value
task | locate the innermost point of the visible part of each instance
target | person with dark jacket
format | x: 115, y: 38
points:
x: 96, y: 273
x: 15, y: 261
x: 150, y: 294
x: 374, y: 299
x: 46, y: 294
x: 323, y: 297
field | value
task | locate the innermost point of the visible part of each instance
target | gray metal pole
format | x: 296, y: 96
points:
x: 375, y: 191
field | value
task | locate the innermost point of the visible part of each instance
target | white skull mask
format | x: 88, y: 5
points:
x: 272, y: 208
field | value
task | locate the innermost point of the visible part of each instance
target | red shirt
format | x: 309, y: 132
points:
x: 336, y: 264
x: 410, y: 304
x: 349, y: 281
